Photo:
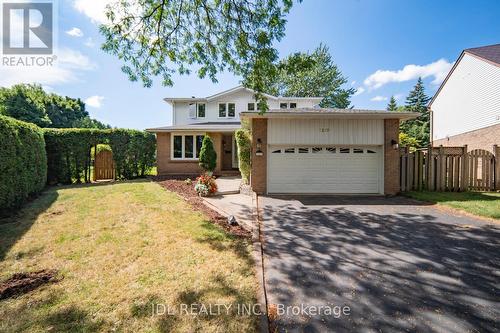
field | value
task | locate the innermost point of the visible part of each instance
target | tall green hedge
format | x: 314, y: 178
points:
x: 69, y: 158
x: 244, y: 143
x: 23, y: 162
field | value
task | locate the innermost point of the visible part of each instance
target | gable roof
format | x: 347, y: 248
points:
x: 232, y: 91
x: 488, y: 53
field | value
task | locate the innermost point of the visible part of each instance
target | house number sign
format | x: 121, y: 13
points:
x: 324, y: 130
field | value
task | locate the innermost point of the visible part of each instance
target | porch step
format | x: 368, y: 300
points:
x: 228, y: 185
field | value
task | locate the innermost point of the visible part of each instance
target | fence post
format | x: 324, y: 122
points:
x: 496, y: 151
x: 430, y: 168
x: 464, y: 182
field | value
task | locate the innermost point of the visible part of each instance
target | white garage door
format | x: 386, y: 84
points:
x: 324, y: 169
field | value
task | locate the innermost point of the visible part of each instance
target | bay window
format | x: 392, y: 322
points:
x: 186, y: 146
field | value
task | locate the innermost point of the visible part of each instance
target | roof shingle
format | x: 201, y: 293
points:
x: 489, y: 52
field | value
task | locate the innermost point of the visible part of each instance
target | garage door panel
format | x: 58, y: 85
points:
x: 324, y: 169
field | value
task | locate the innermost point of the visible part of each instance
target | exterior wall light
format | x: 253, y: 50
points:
x: 259, y: 148
x: 394, y: 144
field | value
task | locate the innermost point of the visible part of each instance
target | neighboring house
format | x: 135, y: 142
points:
x: 297, y: 147
x: 466, y: 108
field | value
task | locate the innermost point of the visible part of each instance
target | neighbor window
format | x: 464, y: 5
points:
x: 293, y: 105
x: 227, y: 110
x: 303, y: 150
x: 186, y: 146
x: 251, y: 107
x: 283, y: 106
x: 344, y: 150
x: 201, y: 110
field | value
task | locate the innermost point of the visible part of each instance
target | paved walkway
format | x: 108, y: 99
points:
x: 228, y: 185
x: 396, y: 264
x: 238, y: 205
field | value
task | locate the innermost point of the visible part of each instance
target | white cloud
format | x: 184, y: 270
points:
x: 89, y: 42
x: 67, y: 67
x: 75, y: 32
x: 353, y: 83
x: 359, y: 91
x: 438, y: 69
x: 94, y: 101
x: 379, y: 99
x: 94, y: 9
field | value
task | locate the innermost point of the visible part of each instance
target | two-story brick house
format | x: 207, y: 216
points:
x: 297, y: 147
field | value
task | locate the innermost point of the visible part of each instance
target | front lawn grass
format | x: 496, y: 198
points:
x: 485, y: 204
x: 121, y: 249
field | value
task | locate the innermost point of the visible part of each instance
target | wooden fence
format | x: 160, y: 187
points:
x: 450, y: 169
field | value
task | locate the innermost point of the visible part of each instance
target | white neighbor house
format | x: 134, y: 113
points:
x: 297, y: 147
x: 466, y: 108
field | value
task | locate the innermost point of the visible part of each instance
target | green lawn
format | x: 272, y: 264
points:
x: 485, y: 204
x: 121, y: 249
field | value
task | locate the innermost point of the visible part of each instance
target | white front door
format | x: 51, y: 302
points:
x: 325, y: 169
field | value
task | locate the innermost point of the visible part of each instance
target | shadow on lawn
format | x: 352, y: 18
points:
x: 437, y: 197
x: 14, y: 226
x: 397, y: 272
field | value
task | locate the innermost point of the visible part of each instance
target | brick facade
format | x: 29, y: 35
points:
x: 391, y: 157
x: 167, y: 166
x: 483, y: 138
x: 258, y: 176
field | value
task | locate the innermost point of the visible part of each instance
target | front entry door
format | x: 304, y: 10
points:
x: 227, y: 152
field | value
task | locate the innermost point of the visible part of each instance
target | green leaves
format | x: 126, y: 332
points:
x: 305, y: 75
x: 244, y: 143
x: 160, y: 38
x: 23, y: 162
x: 30, y: 103
x: 208, y: 156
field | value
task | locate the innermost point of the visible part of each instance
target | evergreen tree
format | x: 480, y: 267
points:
x: 392, y: 106
x: 208, y: 156
x: 418, y: 128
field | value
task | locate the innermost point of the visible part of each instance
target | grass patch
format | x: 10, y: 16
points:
x: 121, y: 249
x: 486, y: 204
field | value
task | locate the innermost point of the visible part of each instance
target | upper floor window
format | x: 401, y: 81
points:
x: 197, y: 110
x: 288, y: 105
x: 227, y: 110
x: 201, y: 110
x: 251, y: 107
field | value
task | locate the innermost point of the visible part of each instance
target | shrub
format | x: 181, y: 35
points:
x: 208, y: 156
x: 205, y: 185
x: 69, y: 152
x: 23, y: 162
x: 244, y: 142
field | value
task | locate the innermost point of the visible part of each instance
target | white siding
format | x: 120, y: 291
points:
x: 240, y: 98
x: 325, y: 131
x: 469, y: 100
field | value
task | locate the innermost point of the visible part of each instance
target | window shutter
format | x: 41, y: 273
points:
x: 192, y: 110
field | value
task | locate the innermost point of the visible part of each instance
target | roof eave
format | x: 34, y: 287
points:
x: 333, y: 115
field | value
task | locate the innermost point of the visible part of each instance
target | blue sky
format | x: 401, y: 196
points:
x: 381, y: 46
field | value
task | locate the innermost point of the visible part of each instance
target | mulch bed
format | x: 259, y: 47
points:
x: 187, y: 192
x: 22, y: 283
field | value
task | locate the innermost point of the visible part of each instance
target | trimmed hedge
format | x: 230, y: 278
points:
x: 23, y: 162
x: 69, y: 152
x: 244, y: 143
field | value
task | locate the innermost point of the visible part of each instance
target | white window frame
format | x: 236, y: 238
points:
x: 227, y: 110
x: 183, y: 149
x: 198, y: 110
x: 254, y: 106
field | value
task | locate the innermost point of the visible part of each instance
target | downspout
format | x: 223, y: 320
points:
x: 431, y: 115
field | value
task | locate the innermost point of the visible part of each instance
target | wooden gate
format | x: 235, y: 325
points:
x: 481, y: 170
x: 104, y: 166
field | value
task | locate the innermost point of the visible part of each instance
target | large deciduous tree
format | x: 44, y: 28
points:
x: 160, y: 38
x: 310, y: 74
x: 30, y: 103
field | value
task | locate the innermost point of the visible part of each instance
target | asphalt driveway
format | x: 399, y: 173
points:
x: 344, y: 264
